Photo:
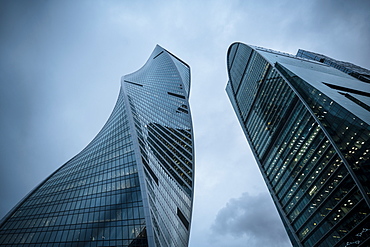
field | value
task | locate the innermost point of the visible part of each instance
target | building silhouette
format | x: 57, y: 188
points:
x: 133, y: 184
x: 308, y: 126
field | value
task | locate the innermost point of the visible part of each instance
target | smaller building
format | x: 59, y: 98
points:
x: 308, y: 125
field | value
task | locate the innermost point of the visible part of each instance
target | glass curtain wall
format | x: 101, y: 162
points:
x: 312, y: 153
x: 133, y: 184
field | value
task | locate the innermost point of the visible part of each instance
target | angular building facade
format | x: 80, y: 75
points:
x: 349, y: 68
x: 133, y: 184
x: 308, y: 125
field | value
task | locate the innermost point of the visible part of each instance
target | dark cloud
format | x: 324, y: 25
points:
x: 253, y: 218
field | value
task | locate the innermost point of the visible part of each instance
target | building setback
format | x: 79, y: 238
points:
x: 349, y: 68
x: 308, y: 126
x: 133, y: 184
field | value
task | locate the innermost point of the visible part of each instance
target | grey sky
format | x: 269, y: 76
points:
x: 245, y: 216
x: 60, y: 69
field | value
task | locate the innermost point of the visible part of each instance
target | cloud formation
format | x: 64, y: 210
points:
x: 252, y: 218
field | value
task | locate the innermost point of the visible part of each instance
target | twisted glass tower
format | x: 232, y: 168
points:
x: 308, y: 125
x: 133, y: 184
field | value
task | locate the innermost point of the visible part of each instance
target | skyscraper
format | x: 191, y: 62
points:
x: 308, y: 125
x: 133, y: 184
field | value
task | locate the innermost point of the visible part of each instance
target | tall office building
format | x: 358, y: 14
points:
x: 308, y: 125
x: 133, y: 184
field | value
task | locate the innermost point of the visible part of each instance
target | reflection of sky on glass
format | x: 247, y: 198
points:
x: 60, y: 71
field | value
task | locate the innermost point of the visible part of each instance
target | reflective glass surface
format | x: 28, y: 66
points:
x: 349, y: 68
x: 133, y: 184
x: 312, y: 152
x: 94, y: 199
x: 158, y: 95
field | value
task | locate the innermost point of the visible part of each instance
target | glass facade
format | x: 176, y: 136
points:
x: 311, y: 142
x: 349, y: 68
x: 133, y: 184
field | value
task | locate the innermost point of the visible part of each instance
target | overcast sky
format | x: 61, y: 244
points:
x: 60, y: 69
